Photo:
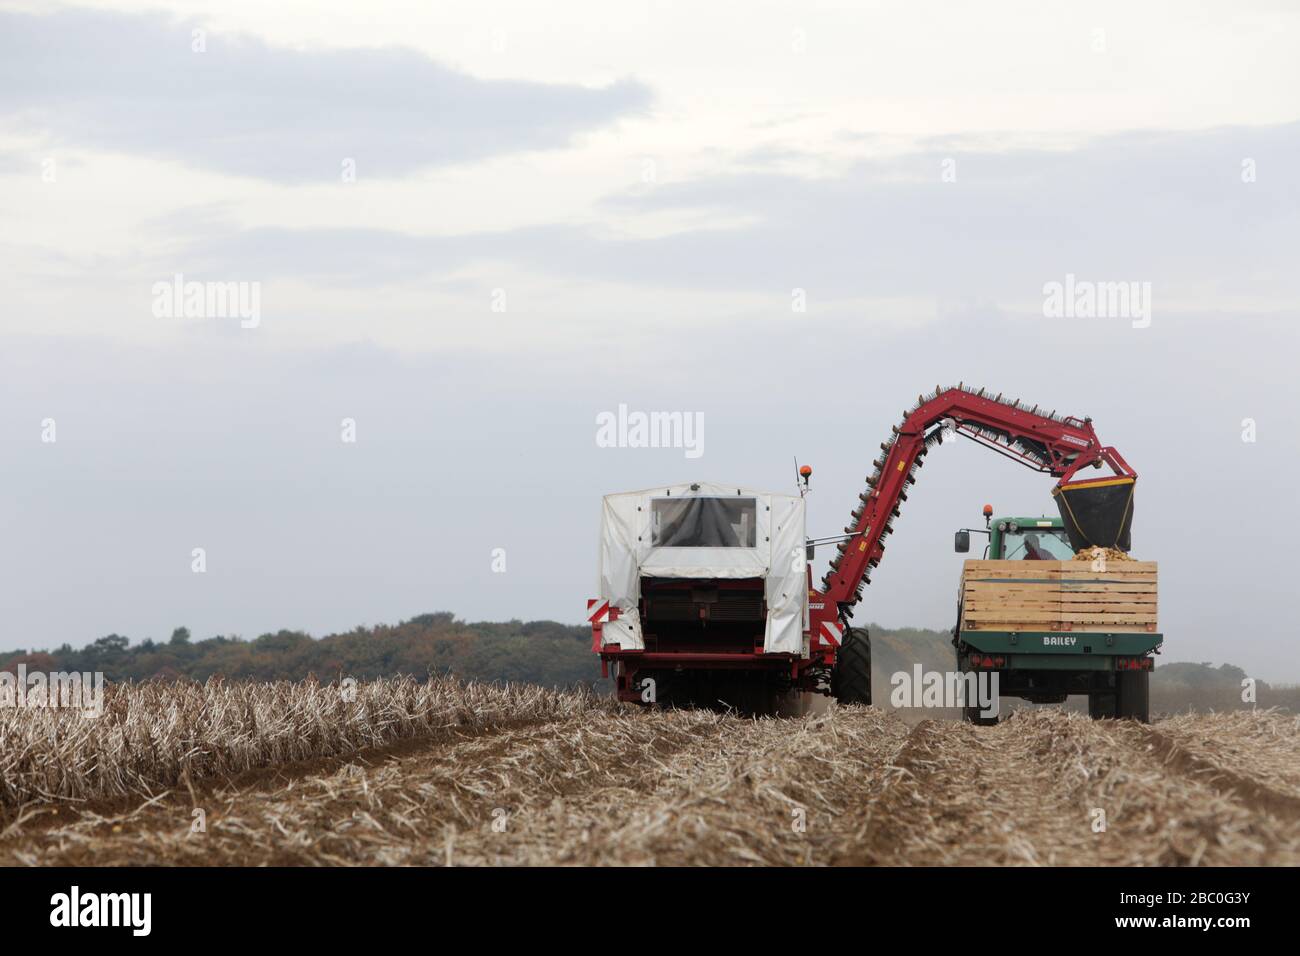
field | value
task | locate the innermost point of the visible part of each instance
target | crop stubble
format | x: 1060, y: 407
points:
x: 439, y: 773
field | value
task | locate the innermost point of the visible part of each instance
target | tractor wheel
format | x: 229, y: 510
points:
x: 1101, y: 706
x: 1133, y: 696
x: 851, y: 679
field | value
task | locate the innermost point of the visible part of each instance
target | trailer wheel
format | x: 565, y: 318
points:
x: 851, y: 680
x: 973, y: 715
x: 1101, y: 706
x: 1133, y: 696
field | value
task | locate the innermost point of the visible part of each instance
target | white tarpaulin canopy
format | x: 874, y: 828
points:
x: 705, y: 530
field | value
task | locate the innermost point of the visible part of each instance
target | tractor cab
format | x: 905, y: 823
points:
x: 1029, y: 539
x: 1019, y: 539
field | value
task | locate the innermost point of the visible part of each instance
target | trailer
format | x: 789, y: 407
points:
x: 1053, y: 626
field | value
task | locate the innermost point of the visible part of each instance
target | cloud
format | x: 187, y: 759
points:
x: 1153, y: 205
x: 1170, y: 208
x: 134, y: 84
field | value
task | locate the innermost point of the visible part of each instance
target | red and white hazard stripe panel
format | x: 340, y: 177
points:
x: 597, y: 611
x: 832, y: 632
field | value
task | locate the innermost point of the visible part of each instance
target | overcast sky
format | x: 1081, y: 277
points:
x: 474, y: 227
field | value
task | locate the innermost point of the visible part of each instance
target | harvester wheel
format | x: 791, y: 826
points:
x: 851, y: 680
x: 1133, y: 696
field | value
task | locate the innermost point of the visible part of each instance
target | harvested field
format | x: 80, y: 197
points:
x: 444, y: 773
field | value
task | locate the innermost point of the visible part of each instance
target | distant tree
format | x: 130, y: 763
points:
x: 112, y: 644
x: 181, y: 635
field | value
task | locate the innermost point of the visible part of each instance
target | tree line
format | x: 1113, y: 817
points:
x: 537, y: 652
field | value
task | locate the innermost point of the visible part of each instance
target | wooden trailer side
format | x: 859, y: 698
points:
x: 1059, y: 596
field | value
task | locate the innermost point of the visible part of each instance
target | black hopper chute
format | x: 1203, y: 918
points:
x: 1098, y: 513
